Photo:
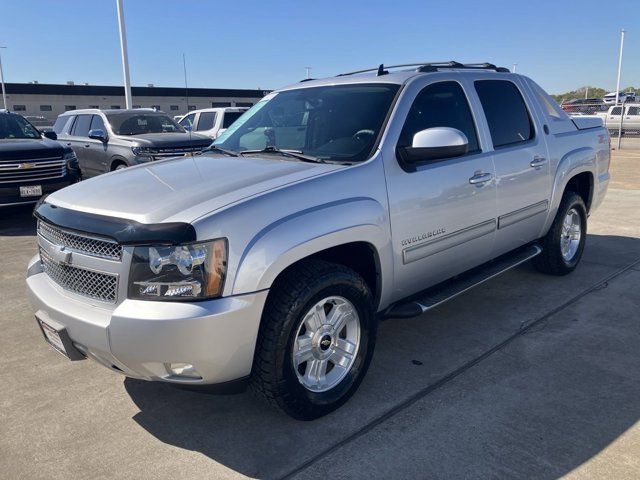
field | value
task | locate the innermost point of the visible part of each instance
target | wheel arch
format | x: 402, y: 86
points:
x: 115, y: 161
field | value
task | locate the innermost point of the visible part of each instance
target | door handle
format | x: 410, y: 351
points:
x: 538, y: 161
x: 480, y: 177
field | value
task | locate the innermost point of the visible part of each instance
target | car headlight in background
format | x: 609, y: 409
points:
x: 72, y: 161
x: 183, y: 272
x: 142, y: 151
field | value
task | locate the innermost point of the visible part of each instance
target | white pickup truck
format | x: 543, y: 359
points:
x: 625, y: 116
x: 328, y: 206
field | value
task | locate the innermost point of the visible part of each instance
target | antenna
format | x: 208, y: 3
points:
x: 186, y: 88
x: 308, y: 69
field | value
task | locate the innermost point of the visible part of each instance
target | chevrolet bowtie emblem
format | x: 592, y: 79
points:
x: 61, y: 255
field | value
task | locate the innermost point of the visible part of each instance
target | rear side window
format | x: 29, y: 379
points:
x: 61, y: 123
x: 82, y: 126
x: 616, y: 110
x: 633, y: 111
x: 507, y: 115
x: 206, y: 121
x: 229, y: 118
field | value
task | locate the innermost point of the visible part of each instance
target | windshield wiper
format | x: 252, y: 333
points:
x: 297, y: 154
x: 215, y: 148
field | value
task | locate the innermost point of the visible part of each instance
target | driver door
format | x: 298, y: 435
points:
x: 443, y: 211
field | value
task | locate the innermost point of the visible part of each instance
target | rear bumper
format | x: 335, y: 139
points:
x: 10, y: 192
x: 140, y: 338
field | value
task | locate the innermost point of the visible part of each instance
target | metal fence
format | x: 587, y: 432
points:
x: 622, y: 120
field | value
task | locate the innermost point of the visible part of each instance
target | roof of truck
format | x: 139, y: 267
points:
x: 398, y: 74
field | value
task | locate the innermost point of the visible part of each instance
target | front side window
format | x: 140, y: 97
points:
x: 441, y: 104
x: 15, y: 126
x: 188, y: 120
x: 340, y: 122
x: 206, y: 121
x: 134, y: 123
x: 82, y: 126
x: 616, y: 110
x: 506, y: 112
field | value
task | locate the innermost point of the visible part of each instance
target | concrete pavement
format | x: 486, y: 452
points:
x: 524, y: 376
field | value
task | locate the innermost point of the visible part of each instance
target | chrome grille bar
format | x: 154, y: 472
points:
x: 92, y: 246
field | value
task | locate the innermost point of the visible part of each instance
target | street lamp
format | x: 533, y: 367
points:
x: 4, y: 93
x: 125, y: 58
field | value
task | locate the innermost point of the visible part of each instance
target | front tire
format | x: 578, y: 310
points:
x: 563, y: 245
x: 316, y: 339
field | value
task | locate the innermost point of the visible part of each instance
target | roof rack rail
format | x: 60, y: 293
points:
x: 429, y: 67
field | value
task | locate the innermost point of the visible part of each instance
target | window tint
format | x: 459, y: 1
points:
x: 82, y: 126
x: 633, y: 111
x: 140, y: 122
x: 19, y: 108
x: 616, y: 110
x: 442, y: 104
x: 61, y: 123
x: 229, y: 118
x: 45, y: 108
x: 188, y: 120
x: 97, y: 123
x: 15, y: 126
x: 207, y: 119
x: 507, y: 115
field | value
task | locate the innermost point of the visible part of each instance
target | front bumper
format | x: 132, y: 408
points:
x: 139, y: 338
x: 10, y: 193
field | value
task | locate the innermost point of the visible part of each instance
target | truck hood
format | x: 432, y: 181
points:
x: 26, y: 149
x: 183, y: 189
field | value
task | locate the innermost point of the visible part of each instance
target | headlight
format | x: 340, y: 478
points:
x: 184, y: 272
x: 141, y: 151
x: 70, y: 155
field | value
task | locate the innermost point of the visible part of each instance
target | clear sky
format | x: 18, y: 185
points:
x: 562, y: 44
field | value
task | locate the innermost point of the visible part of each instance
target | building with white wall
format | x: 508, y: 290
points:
x: 50, y: 100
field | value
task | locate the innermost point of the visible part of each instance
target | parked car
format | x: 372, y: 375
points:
x: 610, y: 98
x: 211, y: 121
x: 31, y: 165
x: 332, y: 203
x: 630, y: 120
x: 107, y: 140
x: 584, y: 105
x: 631, y: 96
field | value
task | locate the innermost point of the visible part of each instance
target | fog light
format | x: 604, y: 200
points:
x: 183, y: 370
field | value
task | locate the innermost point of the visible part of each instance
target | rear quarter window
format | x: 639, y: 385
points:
x: 506, y: 112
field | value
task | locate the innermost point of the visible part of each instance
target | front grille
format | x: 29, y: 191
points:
x: 100, y: 286
x: 32, y: 170
x: 175, y: 151
x: 95, y: 247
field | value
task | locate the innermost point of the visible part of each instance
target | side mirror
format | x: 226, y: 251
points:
x: 188, y: 127
x: 98, y: 134
x: 435, y: 144
x: 50, y: 134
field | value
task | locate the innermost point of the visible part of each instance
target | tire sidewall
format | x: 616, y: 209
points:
x: 360, y: 297
x: 575, y: 202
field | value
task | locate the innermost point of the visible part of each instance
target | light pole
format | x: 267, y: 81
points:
x: 4, y: 93
x: 125, y: 58
x: 620, y: 65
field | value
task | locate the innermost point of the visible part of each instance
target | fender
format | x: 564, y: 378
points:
x: 575, y: 162
x: 117, y: 159
x: 297, y: 236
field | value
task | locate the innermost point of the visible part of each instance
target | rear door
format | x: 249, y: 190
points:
x: 206, y: 122
x: 614, y: 118
x: 632, y: 120
x: 442, y: 224
x: 520, y: 157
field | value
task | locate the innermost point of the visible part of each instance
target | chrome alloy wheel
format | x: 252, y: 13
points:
x: 326, y: 344
x: 571, y: 234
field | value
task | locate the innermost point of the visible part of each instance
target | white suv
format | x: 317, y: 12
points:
x: 212, y: 121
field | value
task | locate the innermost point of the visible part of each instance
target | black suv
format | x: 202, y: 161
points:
x: 31, y: 165
x: 107, y: 140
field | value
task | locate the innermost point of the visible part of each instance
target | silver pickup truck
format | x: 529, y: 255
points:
x: 331, y: 204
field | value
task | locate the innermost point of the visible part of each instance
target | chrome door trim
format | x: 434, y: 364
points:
x: 522, y: 214
x: 453, y: 239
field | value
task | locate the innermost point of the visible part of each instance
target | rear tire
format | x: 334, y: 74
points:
x: 563, y: 245
x: 306, y: 368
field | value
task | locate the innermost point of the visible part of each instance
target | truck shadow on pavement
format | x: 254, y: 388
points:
x: 441, y: 400
x: 17, y: 221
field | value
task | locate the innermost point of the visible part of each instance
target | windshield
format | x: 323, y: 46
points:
x: 229, y: 118
x: 339, y: 122
x: 136, y: 123
x: 14, y: 126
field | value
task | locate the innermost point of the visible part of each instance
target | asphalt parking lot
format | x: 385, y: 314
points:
x: 526, y: 376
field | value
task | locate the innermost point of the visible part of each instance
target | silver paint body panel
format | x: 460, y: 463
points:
x: 276, y: 211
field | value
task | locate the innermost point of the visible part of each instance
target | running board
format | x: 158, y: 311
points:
x: 434, y: 296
